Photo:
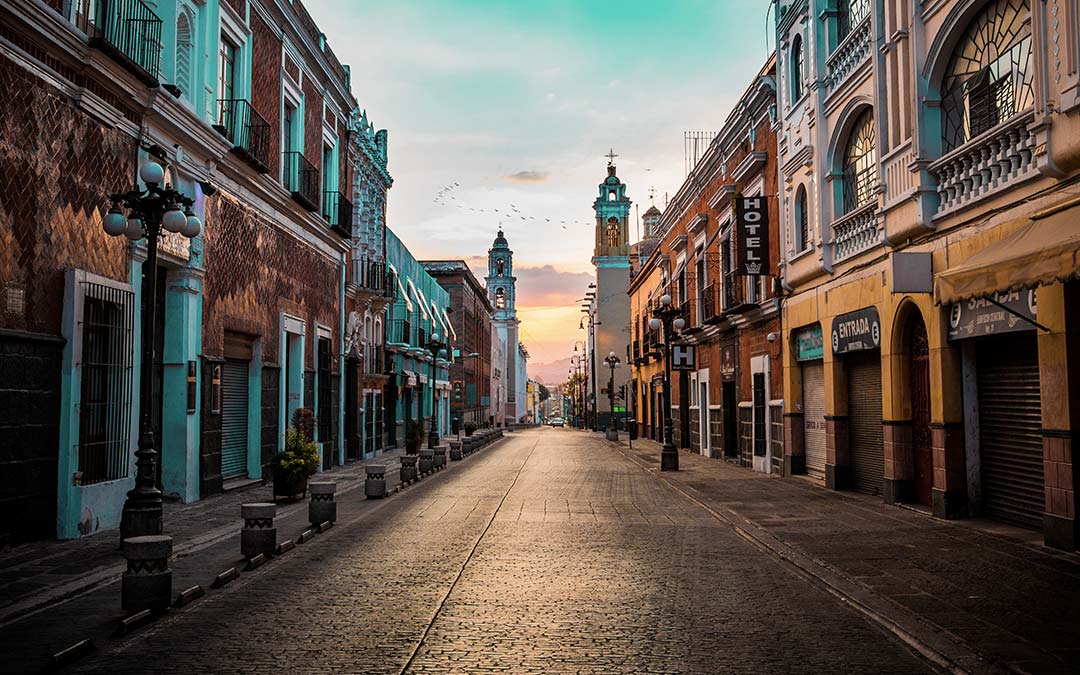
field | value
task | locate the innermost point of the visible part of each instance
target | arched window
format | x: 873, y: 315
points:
x: 500, y: 298
x: 860, y: 163
x: 611, y: 196
x: 614, y: 236
x: 183, y: 53
x: 989, y: 76
x: 500, y: 267
x: 802, y: 221
x: 849, y: 14
x: 796, y: 68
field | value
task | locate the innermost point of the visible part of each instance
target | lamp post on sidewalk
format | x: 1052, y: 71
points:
x: 150, y: 213
x: 583, y: 383
x: 668, y: 317
x: 435, y: 346
x: 612, y: 362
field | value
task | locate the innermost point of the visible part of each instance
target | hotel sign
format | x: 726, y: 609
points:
x: 976, y: 317
x: 752, y: 236
x: 856, y: 331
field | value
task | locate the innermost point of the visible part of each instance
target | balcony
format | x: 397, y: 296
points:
x: 987, y: 162
x: 126, y: 30
x: 849, y: 55
x: 301, y: 178
x: 736, y: 299
x: 337, y: 211
x: 710, y: 305
x: 855, y: 232
x: 248, y: 131
x: 375, y: 360
x: 399, y: 333
x: 371, y: 276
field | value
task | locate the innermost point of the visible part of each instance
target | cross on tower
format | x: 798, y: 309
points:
x: 611, y: 156
x: 652, y: 193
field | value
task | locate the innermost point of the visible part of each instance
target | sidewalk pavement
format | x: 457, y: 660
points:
x: 990, y: 588
x: 55, y: 593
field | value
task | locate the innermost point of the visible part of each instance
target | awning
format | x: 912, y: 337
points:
x: 410, y: 378
x: 1044, y: 248
x: 449, y: 326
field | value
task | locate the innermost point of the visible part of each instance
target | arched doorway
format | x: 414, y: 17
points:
x: 918, y: 348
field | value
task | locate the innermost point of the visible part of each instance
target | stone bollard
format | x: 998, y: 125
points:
x: 259, y: 534
x: 322, y: 506
x: 440, y: 457
x: 455, y: 451
x: 375, y: 485
x: 147, y: 583
x: 408, y: 468
x: 427, y: 461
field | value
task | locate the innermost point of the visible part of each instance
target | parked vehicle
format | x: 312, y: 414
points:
x: 557, y: 422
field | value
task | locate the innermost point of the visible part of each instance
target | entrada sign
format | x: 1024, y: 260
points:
x: 856, y: 331
x: 752, y: 236
x: 979, y: 316
x: 682, y: 357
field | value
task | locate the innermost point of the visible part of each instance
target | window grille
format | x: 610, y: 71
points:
x: 860, y: 163
x: 106, y: 369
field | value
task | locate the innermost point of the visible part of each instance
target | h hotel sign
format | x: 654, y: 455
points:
x: 751, y: 236
x: 682, y: 357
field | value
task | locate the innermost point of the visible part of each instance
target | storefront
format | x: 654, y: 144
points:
x: 856, y: 339
x: 809, y: 351
x: 1001, y: 371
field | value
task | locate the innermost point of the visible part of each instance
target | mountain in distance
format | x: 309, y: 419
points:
x: 551, y: 373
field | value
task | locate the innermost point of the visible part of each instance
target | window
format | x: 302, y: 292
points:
x: 183, y: 54
x: 328, y: 172
x: 802, y: 221
x: 500, y: 267
x: 105, y: 403
x: 288, y: 123
x: 860, y: 163
x: 324, y: 389
x: 227, y: 71
x: 702, y: 282
x: 989, y: 77
x: 500, y: 298
x: 611, y: 196
x: 614, y: 236
x: 849, y: 14
x: 796, y: 68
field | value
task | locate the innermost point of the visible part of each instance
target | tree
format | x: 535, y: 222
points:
x: 544, y: 393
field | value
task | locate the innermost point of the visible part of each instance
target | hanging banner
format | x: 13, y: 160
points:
x: 752, y: 236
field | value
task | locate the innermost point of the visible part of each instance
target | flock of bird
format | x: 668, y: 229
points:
x: 445, y: 197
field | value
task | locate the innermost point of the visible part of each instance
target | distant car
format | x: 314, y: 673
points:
x: 557, y: 422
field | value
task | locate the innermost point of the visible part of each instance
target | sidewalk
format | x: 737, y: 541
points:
x: 991, y: 588
x: 55, y: 593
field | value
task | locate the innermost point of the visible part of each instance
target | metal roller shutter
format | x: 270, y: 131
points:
x: 864, y: 419
x: 1010, y: 415
x: 234, y: 418
x: 813, y: 378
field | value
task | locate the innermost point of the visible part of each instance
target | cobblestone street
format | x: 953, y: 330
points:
x: 551, y: 552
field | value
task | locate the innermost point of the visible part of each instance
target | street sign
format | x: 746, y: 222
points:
x: 856, y: 331
x: 752, y: 236
x: 682, y: 357
x: 978, y: 316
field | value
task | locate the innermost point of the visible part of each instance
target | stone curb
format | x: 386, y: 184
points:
x: 933, y: 643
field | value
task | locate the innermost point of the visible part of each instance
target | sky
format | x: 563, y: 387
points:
x: 514, y: 105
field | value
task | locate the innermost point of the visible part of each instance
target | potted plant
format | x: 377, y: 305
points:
x: 470, y: 427
x: 299, y: 459
x: 414, y: 437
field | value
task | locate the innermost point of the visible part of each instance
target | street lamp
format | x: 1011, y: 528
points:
x: 612, y: 362
x: 149, y: 212
x: 667, y: 316
x: 435, y: 346
x: 583, y: 382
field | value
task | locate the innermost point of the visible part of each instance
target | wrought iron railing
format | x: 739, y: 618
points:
x: 369, y: 275
x: 399, y: 332
x: 710, y: 307
x: 126, y: 29
x: 337, y: 211
x: 301, y: 178
x: 247, y: 129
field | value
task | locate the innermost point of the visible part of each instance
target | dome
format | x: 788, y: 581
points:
x: 500, y: 240
x: 653, y: 211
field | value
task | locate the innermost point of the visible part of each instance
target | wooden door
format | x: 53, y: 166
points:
x: 921, y: 435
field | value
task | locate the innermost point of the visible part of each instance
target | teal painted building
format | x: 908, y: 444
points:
x: 421, y: 309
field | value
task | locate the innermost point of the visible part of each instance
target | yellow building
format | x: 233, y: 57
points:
x: 932, y: 241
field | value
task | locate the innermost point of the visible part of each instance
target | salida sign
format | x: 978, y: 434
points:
x: 752, y: 236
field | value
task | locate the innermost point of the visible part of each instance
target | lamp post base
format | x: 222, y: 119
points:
x: 611, y: 434
x: 433, y: 439
x: 141, y: 519
x: 669, y: 458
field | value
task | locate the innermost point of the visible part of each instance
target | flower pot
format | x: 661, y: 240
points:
x: 289, y: 485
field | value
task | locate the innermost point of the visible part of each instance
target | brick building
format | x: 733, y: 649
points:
x: 248, y: 109
x: 470, y: 372
x: 729, y: 405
